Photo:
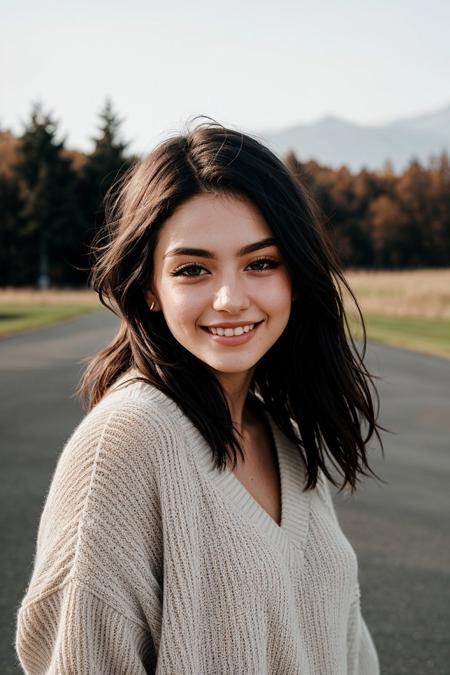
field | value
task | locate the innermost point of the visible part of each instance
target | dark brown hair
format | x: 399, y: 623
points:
x: 312, y: 380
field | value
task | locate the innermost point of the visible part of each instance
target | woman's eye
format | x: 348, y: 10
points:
x: 186, y: 270
x: 181, y: 271
x: 271, y: 263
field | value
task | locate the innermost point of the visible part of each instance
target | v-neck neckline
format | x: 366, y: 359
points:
x: 295, y: 504
x: 290, y: 536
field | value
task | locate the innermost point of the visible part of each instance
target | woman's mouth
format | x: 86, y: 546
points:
x: 236, y: 336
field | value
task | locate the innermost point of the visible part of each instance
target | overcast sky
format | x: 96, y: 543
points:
x: 251, y: 64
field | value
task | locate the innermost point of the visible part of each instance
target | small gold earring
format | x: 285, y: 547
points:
x: 152, y: 305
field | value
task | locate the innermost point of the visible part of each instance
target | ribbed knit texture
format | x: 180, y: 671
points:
x: 150, y: 560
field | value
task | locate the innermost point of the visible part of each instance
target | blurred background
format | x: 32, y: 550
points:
x: 355, y: 99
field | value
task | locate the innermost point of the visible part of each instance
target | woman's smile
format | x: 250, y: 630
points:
x: 232, y: 337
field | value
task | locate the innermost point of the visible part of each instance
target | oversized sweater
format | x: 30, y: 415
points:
x: 151, y: 560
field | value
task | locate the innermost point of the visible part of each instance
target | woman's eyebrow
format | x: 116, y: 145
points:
x: 203, y: 253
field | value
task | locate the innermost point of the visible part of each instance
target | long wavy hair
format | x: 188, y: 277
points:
x: 312, y: 380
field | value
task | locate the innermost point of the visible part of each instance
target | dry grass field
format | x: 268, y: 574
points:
x: 408, y: 309
x: 419, y: 294
x: 30, y: 296
x: 28, y: 308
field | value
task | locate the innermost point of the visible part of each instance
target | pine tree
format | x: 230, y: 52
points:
x: 439, y: 199
x: 51, y: 214
x: 102, y: 168
x: 13, y: 264
x: 413, y: 191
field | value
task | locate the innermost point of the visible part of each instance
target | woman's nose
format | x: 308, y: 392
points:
x: 231, y: 297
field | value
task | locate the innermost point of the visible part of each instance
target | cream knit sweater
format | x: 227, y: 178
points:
x: 150, y: 560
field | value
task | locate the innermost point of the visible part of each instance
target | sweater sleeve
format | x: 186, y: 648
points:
x: 367, y: 654
x: 73, y: 631
x: 362, y: 657
x: 93, y: 604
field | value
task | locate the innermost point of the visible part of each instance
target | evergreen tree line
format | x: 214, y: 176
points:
x: 52, y: 205
x: 52, y: 200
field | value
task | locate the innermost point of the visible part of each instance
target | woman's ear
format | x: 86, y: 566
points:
x: 151, y: 300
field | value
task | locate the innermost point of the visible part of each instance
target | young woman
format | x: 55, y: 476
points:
x: 189, y: 526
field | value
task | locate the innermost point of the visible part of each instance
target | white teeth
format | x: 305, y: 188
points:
x: 228, y: 332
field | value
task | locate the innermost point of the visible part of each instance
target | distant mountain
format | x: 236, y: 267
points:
x: 333, y: 141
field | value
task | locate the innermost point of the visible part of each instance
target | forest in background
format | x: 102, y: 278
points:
x: 51, y: 202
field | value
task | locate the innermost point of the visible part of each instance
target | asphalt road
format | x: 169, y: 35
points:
x: 400, y: 530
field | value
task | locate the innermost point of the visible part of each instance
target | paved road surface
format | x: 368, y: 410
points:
x: 400, y: 531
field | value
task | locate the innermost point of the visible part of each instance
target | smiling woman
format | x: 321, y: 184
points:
x: 235, y: 287
x: 189, y: 526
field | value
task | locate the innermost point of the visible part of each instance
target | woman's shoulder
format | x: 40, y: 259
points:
x: 121, y: 442
x: 118, y: 446
x: 131, y: 413
x: 130, y: 390
x: 106, y: 481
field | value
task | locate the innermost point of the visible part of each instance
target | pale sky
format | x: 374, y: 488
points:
x: 249, y: 64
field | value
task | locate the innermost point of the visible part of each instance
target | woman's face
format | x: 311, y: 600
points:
x: 221, y: 283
